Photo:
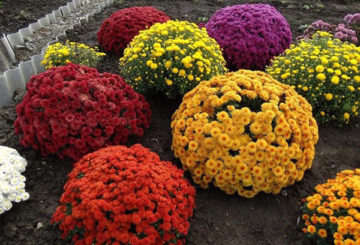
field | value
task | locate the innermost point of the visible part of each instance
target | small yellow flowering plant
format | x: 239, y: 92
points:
x: 245, y: 132
x: 332, y: 215
x: 59, y: 54
x: 171, y: 58
x: 326, y: 72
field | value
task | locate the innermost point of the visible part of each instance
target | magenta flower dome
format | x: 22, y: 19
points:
x: 250, y: 34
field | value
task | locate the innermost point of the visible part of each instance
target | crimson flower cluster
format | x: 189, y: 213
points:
x: 119, y: 195
x: 119, y: 29
x: 250, y: 34
x: 73, y: 109
x: 202, y: 25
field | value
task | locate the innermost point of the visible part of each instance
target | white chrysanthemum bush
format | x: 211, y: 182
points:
x: 12, y: 183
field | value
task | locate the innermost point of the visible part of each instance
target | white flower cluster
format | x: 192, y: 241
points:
x: 12, y: 183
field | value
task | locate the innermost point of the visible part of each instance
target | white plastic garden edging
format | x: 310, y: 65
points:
x: 17, y: 78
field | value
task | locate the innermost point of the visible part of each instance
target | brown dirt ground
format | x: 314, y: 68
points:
x: 219, y: 219
x: 17, y: 14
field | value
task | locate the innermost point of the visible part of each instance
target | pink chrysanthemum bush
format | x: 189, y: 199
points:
x: 73, y: 109
x: 348, y: 30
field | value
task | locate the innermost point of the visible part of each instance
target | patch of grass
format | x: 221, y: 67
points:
x: 203, y: 19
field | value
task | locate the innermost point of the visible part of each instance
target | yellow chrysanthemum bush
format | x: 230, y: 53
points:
x: 326, y: 72
x: 59, y: 54
x: 245, y: 132
x: 171, y: 58
x: 332, y: 214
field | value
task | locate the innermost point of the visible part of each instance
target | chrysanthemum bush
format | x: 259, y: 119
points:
x: 352, y: 21
x: 348, y: 30
x: 73, y: 109
x: 12, y: 183
x: 120, y: 195
x: 250, y: 34
x: 122, y: 26
x: 245, y: 132
x: 171, y: 58
x: 326, y: 72
x: 59, y: 54
x: 332, y: 214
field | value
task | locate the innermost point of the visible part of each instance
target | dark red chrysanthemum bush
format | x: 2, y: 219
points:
x: 73, y: 109
x: 120, y: 28
x: 119, y: 195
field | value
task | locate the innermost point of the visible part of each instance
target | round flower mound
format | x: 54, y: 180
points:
x: 59, y: 54
x: 245, y: 132
x: 326, y: 72
x: 72, y: 110
x: 332, y: 215
x: 340, y: 31
x: 120, y: 195
x: 12, y: 183
x: 171, y: 58
x: 122, y: 26
x: 250, y: 34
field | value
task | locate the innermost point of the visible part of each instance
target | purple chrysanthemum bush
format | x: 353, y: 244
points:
x: 250, y: 34
x: 348, y: 31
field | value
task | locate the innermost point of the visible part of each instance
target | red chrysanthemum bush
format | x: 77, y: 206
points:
x: 119, y: 195
x: 73, y: 109
x: 120, y: 28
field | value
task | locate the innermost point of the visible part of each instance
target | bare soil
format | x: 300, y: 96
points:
x: 17, y: 14
x: 219, y: 219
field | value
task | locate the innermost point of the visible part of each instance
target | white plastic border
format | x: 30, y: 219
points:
x: 17, y: 78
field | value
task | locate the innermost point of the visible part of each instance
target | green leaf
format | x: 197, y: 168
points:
x: 68, y: 209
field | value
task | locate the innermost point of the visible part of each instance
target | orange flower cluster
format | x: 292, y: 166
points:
x: 245, y: 132
x: 119, y: 195
x: 332, y: 215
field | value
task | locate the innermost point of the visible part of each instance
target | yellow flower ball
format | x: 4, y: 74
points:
x: 329, y: 97
x: 168, y: 82
x: 321, y: 76
x: 319, y: 68
x: 168, y: 64
x: 325, y: 71
x: 335, y: 80
x: 236, y: 125
x: 176, y: 51
x: 59, y: 54
x: 154, y: 66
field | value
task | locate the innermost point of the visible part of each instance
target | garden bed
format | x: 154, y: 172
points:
x: 18, y: 14
x: 219, y: 218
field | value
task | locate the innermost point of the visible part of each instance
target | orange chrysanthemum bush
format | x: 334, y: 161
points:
x: 245, y: 132
x: 119, y: 195
x: 332, y: 215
